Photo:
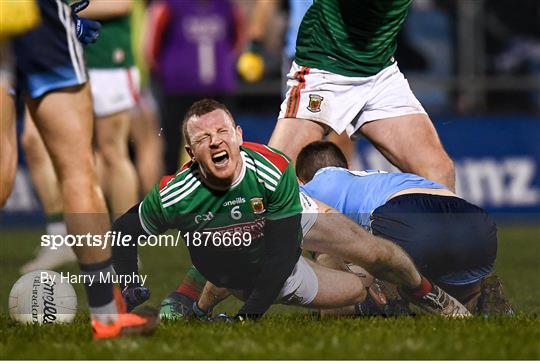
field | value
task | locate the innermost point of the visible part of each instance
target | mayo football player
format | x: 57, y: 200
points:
x: 238, y: 208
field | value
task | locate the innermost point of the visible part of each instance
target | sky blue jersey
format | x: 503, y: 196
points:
x: 358, y: 193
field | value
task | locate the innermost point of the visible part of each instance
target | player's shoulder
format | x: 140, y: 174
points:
x: 186, y: 171
x: 266, y: 156
x: 174, y: 188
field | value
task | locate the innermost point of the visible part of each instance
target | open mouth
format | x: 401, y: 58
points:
x: 220, y: 158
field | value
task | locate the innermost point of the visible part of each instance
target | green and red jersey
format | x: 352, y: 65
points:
x: 113, y: 47
x: 267, y: 189
x: 355, y: 38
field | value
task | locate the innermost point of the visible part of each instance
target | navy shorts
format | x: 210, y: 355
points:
x: 450, y: 240
x: 49, y: 57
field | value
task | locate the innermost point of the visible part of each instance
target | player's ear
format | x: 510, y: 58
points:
x: 190, y: 152
x: 239, y: 134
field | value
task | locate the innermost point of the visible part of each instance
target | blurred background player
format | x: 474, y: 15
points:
x: 191, y: 49
x: 47, y: 188
x: 453, y: 242
x: 16, y: 17
x: 52, y: 76
x: 114, y: 81
x: 345, y: 78
x: 145, y: 128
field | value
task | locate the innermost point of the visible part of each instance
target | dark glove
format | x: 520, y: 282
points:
x: 87, y: 30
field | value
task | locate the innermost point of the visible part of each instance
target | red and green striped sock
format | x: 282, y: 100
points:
x: 192, y: 284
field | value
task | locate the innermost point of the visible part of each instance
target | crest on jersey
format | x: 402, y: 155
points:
x: 315, y: 103
x: 257, y: 205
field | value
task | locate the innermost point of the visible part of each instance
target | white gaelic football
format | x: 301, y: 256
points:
x: 42, y: 297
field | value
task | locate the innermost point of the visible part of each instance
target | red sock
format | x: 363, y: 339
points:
x: 420, y: 291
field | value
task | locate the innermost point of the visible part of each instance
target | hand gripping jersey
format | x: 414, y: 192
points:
x: 267, y: 189
x: 358, y: 193
x: 353, y: 38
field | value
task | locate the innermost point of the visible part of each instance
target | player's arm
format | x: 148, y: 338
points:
x: 157, y: 21
x: 105, y: 9
x: 250, y: 64
x: 143, y: 219
x: 283, y: 237
x: 262, y: 13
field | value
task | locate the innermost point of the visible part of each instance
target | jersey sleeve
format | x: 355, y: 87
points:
x: 285, y: 200
x: 151, y: 215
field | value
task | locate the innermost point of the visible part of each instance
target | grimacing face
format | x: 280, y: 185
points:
x: 214, y: 143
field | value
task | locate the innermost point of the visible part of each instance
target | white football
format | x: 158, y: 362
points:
x: 42, y: 297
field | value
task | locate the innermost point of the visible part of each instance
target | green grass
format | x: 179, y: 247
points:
x: 287, y: 333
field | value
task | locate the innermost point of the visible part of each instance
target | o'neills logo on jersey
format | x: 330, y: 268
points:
x: 314, y: 104
x: 239, y: 200
x: 257, y: 205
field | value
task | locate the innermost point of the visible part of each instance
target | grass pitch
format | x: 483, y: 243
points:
x: 287, y: 333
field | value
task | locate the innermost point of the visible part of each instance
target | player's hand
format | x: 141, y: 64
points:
x: 87, y: 30
x: 250, y: 65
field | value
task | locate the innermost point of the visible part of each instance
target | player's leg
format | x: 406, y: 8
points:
x: 399, y: 127
x: 179, y: 303
x: 336, y: 235
x: 41, y: 168
x: 112, y: 144
x: 64, y: 120
x: 337, y: 289
x: 347, y: 146
x: 290, y: 135
x: 8, y: 142
x: 59, y: 101
x: 333, y: 233
x: 47, y: 188
x: 210, y: 297
x: 411, y: 143
x: 114, y: 95
x: 148, y: 144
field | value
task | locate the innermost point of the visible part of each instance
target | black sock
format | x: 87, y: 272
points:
x: 98, y: 285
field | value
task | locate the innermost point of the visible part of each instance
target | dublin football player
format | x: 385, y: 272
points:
x: 51, y: 75
x: 453, y: 242
x: 248, y: 193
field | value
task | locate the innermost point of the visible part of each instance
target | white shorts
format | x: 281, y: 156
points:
x: 310, y: 211
x: 301, y: 287
x: 114, y: 89
x: 346, y: 103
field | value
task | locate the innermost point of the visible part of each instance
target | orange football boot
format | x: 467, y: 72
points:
x: 143, y: 322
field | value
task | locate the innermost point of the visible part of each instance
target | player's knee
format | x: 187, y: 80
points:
x: 75, y: 167
x: 30, y: 142
x: 113, y: 153
x: 361, y: 293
